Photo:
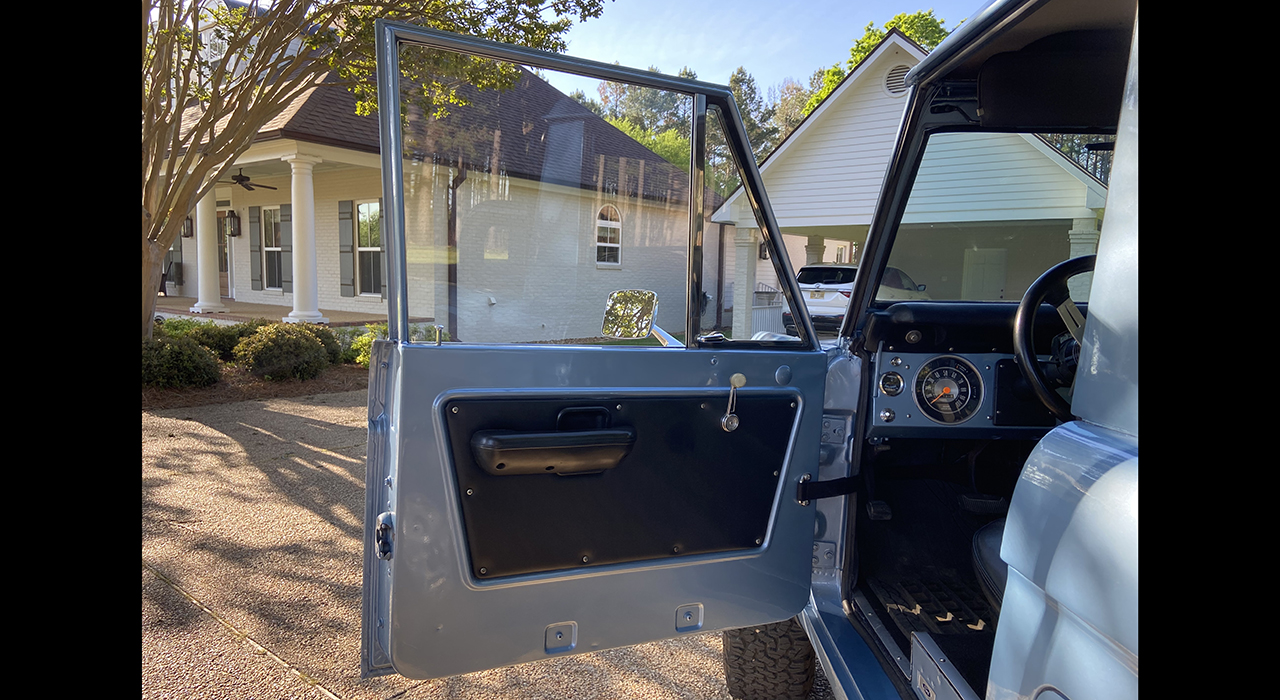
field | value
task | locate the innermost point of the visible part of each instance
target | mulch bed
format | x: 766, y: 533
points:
x: 238, y: 385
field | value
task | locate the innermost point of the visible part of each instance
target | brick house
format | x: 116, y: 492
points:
x: 520, y: 202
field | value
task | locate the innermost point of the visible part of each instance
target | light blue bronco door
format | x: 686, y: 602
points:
x: 535, y: 488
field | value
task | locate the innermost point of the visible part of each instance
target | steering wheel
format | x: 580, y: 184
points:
x: 1051, y: 287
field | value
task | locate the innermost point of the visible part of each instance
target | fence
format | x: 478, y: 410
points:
x: 767, y: 305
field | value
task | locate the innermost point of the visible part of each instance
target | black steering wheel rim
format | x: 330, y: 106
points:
x: 1051, y: 286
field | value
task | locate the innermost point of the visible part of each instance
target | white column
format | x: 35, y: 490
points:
x: 746, y: 245
x: 814, y: 250
x: 1084, y: 241
x: 306, y: 290
x: 209, y: 299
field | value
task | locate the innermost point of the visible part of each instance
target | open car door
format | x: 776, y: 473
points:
x: 532, y: 489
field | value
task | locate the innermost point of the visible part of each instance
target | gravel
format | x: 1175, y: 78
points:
x: 251, y: 532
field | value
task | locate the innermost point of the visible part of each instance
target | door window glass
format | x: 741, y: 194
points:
x: 742, y: 285
x: 532, y: 195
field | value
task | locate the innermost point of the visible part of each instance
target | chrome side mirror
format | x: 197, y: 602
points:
x: 629, y: 314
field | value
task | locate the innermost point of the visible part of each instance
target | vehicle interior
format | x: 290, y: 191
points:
x: 963, y: 386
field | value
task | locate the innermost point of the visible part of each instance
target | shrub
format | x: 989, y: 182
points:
x: 222, y: 340
x: 422, y: 333
x: 326, y: 337
x: 178, y: 362
x: 362, y: 349
x: 347, y: 337
x: 179, y: 327
x: 281, y: 351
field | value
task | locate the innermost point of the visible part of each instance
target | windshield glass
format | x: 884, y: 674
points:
x: 826, y: 275
x: 988, y: 213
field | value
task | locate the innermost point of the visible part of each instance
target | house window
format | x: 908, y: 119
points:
x: 608, y: 236
x: 369, y: 248
x: 271, y: 263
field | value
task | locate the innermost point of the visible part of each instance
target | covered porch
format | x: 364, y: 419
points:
x: 241, y: 311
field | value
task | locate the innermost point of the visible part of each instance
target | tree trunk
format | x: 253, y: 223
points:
x: 152, y: 264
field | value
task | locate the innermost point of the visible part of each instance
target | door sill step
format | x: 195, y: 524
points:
x: 933, y: 676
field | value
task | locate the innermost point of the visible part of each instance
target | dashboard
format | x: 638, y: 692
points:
x: 946, y: 370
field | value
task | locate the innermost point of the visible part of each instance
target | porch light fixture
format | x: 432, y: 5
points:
x: 763, y: 253
x: 188, y: 228
x: 231, y: 224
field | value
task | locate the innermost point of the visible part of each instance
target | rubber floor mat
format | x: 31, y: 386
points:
x: 941, y: 606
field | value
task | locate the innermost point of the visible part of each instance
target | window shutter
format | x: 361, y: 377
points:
x: 346, y: 247
x: 382, y: 240
x: 255, y: 248
x: 286, y: 247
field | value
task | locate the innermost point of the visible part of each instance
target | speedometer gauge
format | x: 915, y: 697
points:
x: 948, y: 389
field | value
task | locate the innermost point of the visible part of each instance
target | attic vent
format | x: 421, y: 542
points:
x: 895, y: 80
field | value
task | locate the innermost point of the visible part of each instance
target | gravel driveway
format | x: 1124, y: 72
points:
x: 251, y: 531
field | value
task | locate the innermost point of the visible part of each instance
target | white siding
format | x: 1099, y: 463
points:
x: 992, y: 177
x: 829, y: 173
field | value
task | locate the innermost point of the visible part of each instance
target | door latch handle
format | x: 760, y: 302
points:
x: 384, y: 534
x: 730, y: 419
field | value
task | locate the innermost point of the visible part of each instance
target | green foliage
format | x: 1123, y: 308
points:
x: 421, y: 333
x: 282, y: 351
x: 347, y: 337
x: 206, y: 94
x: 830, y: 78
x: 178, y: 362
x: 222, y: 340
x: 721, y: 169
x: 178, y: 327
x: 788, y: 101
x: 920, y: 26
x: 581, y: 98
x: 358, y: 344
x: 363, y: 349
x: 1096, y: 162
x: 757, y: 117
x: 671, y: 145
x: 659, y: 120
x: 648, y: 109
x: 332, y: 348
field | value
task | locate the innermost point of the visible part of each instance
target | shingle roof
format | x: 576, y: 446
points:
x: 537, y: 132
x: 524, y: 119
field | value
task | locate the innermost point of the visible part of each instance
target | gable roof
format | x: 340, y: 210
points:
x: 533, y: 130
x: 536, y: 132
x: 849, y: 78
x: 860, y: 74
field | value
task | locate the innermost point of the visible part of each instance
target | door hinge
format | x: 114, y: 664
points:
x: 812, y: 490
x: 384, y: 535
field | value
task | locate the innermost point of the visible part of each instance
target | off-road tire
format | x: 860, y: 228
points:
x: 769, y: 662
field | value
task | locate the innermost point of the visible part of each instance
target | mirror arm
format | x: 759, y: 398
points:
x: 665, y: 338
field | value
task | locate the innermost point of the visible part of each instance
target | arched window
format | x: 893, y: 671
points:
x: 608, y: 236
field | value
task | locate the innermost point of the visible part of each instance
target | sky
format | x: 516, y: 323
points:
x: 771, y: 40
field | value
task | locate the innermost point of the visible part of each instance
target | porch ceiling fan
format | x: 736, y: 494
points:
x: 243, y: 181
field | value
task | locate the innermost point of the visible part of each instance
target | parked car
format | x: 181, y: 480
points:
x: 826, y: 288
x: 938, y: 505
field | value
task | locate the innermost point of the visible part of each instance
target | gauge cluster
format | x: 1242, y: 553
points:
x: 947, y: 395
